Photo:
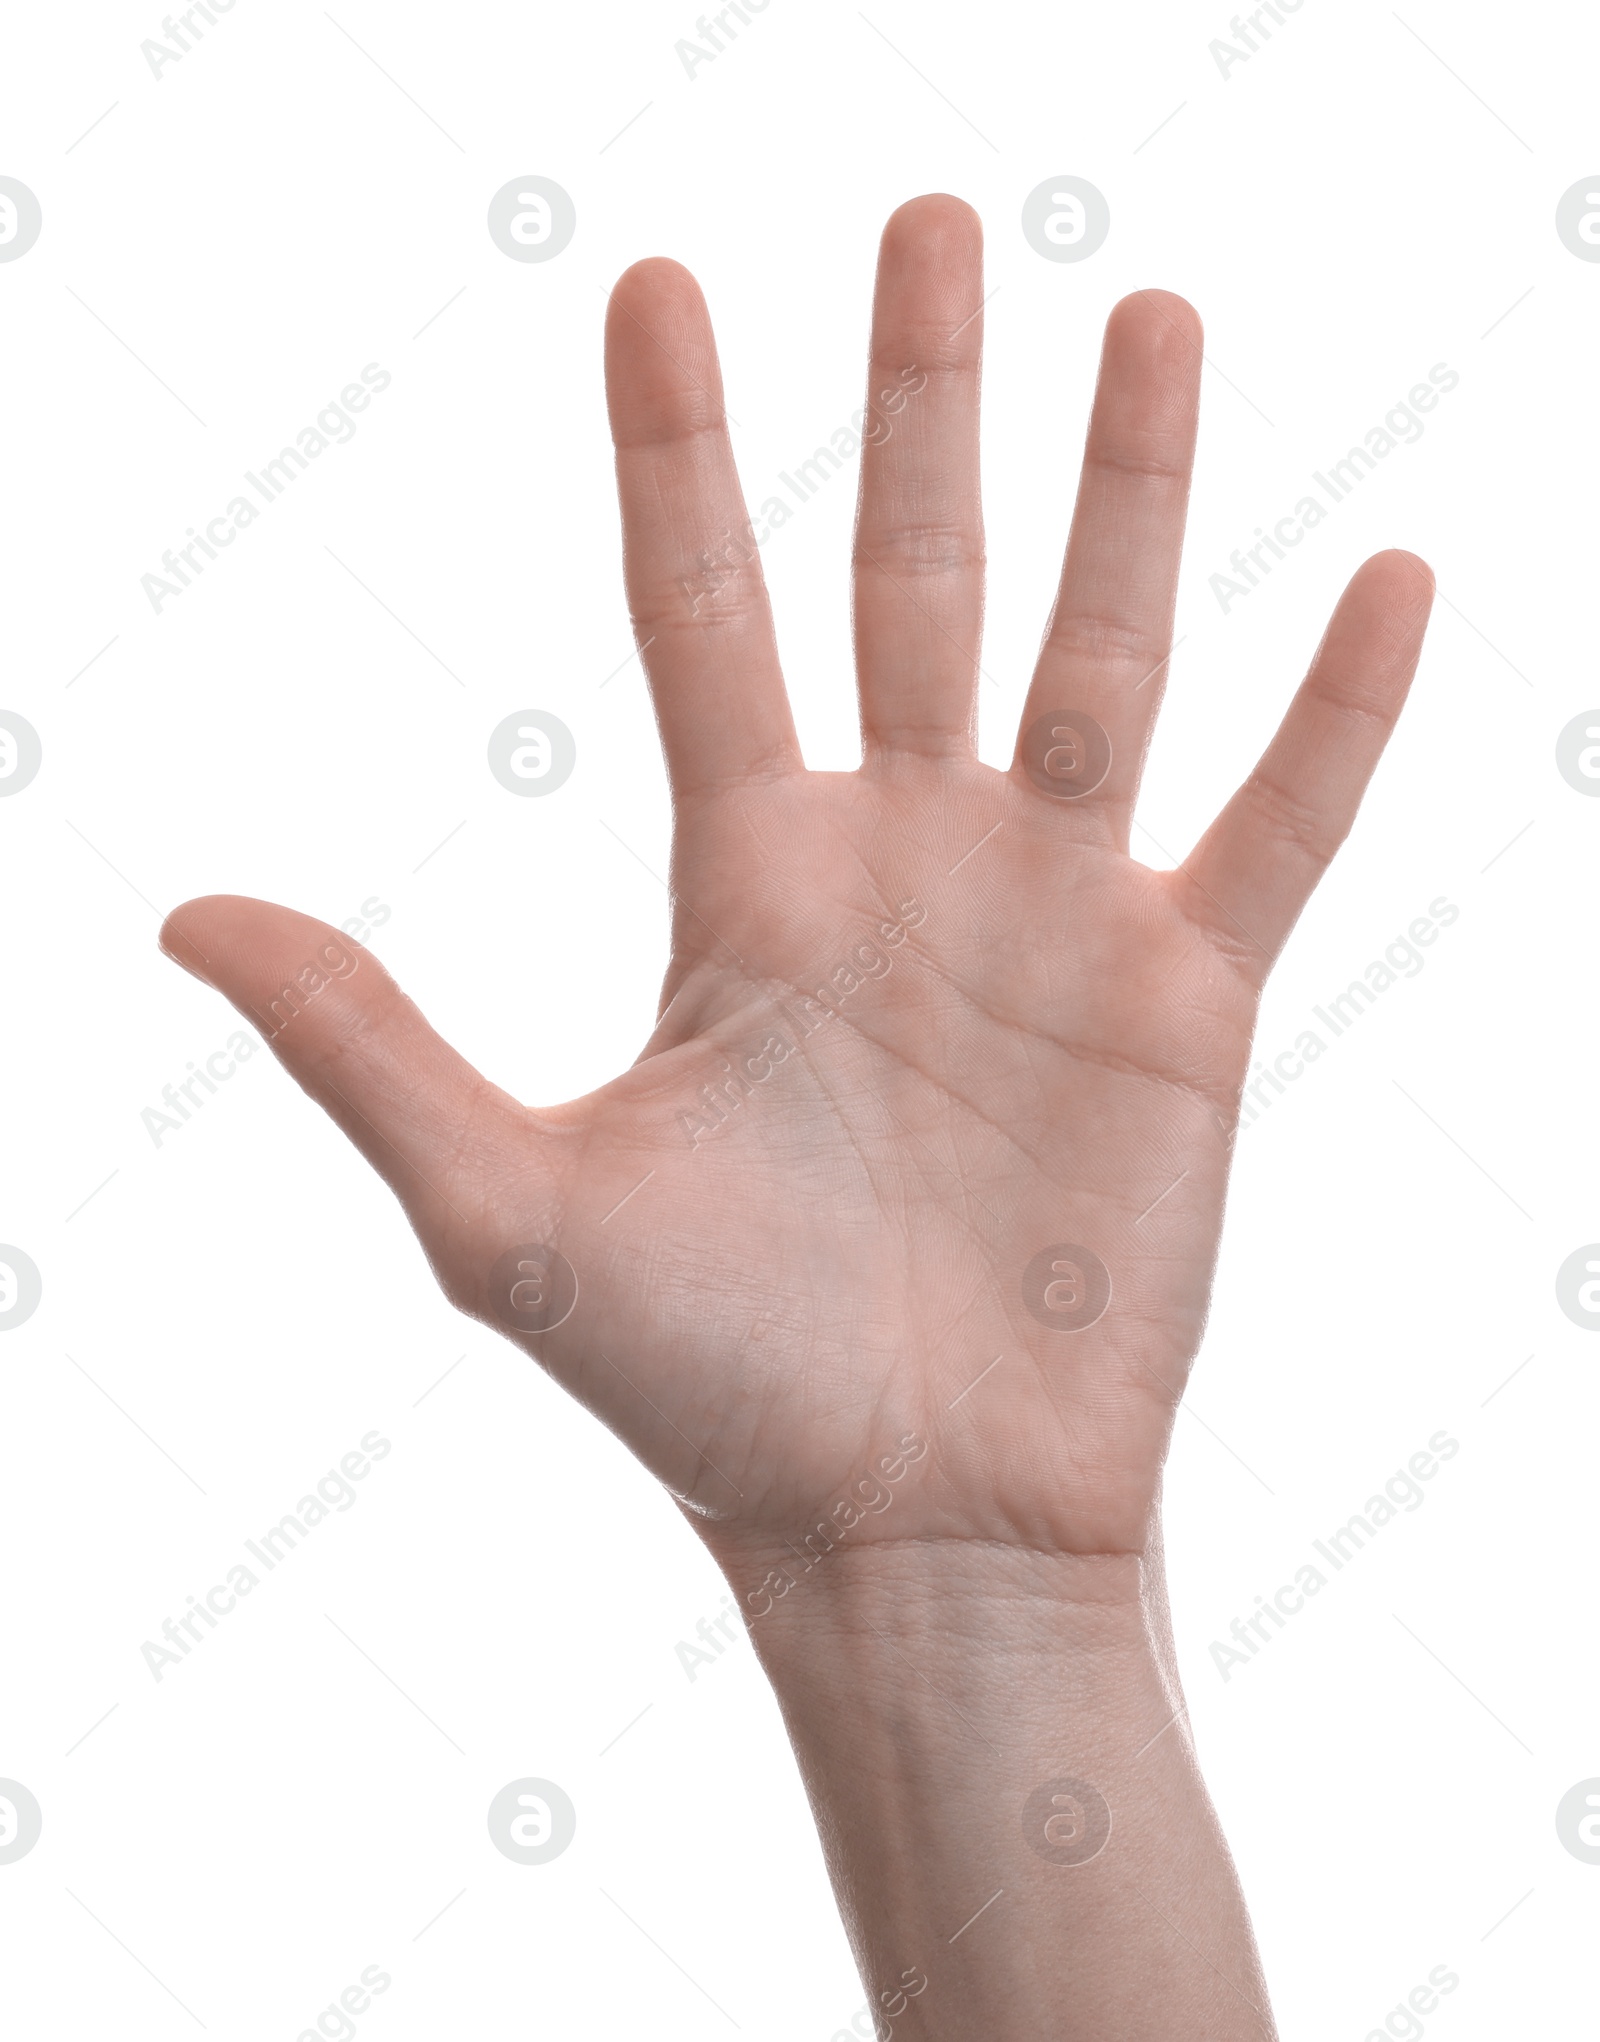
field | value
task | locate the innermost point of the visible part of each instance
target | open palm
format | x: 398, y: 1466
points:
x: 931, y: 1140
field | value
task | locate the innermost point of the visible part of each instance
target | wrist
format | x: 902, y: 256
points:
x: 940, y: 1647
x: 997, y: 1753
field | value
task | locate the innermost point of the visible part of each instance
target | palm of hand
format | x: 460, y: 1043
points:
x: 877, y: 1092
x: 922, y: 1022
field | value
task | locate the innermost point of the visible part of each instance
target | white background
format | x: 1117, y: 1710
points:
x: 231, y: 244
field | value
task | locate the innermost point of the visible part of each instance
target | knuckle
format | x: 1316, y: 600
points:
x: 691, y: 415
x: 1358, y: 703
x: 925, y: 348
x: 1291, y: 822
x: 704, y: 597
x: 1144, y: 457
x: 1106, y: 637
x: 922, y: 549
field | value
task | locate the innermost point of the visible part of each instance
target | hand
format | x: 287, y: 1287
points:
x: 947, y: 1020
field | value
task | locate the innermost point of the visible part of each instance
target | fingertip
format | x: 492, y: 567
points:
x: 220, y: 936
x: 1167, y: 320
x: 939, y: 221
x: 662, y: 375
x: 1409, y: 568
x: 928, y: 301
x: 181, y: 938
x: 655, y: 283
x: 1397, y: 586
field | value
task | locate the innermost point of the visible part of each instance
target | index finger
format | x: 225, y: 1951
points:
x: 695, y: 586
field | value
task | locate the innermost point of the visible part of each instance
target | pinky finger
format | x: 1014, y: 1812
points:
x: 1253, y: 871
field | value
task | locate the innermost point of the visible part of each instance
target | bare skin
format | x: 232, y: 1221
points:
x: 1052, y: 1053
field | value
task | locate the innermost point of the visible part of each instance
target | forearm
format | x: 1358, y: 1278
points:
x: 968, y: 1719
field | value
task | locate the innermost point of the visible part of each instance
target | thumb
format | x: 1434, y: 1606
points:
x: 428, y: 1123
